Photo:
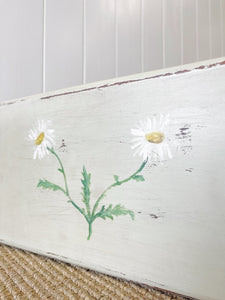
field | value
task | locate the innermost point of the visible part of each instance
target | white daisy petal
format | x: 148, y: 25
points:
x: 50, y: 139
x: 137, y: 151
x: 149, y: 124
x: 30, y: 137
x: 166, y: 121
x: 154, y: 123
x: 160, y: 152
x: 161, y: 120
x: 42, y: 137
x: 50, y: 131
x: 137, y: 139
x: 137, y: 132
x: 39, y: 125
x: 32, y: 133
x: 35, y: 153
x: 136, y: 145
x: 40, y: 155
x: 48, y: 144
x: 153, y: 139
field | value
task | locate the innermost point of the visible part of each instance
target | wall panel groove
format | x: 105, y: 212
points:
x: 100, y: 39
x: 216, y: 28
x: 50, y: 44
x: 84, y: 33
x: 223, y: 26
x: 197, y: 29
x: 203, y: 29
x: 44, y: 48
x: 116, y: 39
x: 153, y: 45
x: 64, y: 38
x: 189, y: 31
x: 172, y: 33
x: 129, y: 37
x: 21, y: 61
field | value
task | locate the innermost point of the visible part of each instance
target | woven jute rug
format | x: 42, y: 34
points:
x: 24, y: 275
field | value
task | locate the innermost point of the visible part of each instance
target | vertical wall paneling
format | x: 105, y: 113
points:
x: 216, y: 28
x: 223, y: 26
x: 163, y: 33
x: 142, y: 8
x: 116, y: 38
x: 84, y: 44
x: 100, y: 37
x: 153, y: 35
x: 172, y: 33
x: 189, y: 31
x: 181, y: 33
x: 21, y: 34
x: 203, y: 29
x: 63, y: 43
x: 196, y: 29
x: 44, y: 47
x: 210, y: 28
x: 53, y: 44
x: 129, y: 36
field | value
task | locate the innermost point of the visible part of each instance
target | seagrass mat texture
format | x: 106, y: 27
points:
x: 24, y: 275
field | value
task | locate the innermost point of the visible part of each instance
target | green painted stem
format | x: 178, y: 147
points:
x: 90, y: 230
x: 62, y: 168
x: 90, y: 217
x: 115, y: 184
x: 76, y: 206
x: 66, y: 185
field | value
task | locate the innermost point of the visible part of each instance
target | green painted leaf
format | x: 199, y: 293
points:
x: 138, y: 178
x: 86, y: 182
x: 117, y: 210
x: 45, y: 184
x: 60, y: 170
x: 116, y: 177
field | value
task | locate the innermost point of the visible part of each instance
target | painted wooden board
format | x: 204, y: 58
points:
x: 157, y: 217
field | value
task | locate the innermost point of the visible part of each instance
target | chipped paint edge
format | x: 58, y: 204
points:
x: 99, y: 269
x: 202, y: 65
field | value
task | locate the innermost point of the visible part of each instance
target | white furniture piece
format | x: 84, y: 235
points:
x: 72, y: 188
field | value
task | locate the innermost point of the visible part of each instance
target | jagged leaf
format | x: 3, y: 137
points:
x: 117, y: 210
x: 45, y: 184
x: 138, y: 178
x: 86, y: 181
x: 116, y: 177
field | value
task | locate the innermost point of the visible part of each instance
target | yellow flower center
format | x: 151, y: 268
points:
x: 40, y: 139
x: 155, y: 137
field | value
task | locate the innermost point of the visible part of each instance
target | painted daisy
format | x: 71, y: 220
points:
x: 42, y: 137
x: 153, y: 139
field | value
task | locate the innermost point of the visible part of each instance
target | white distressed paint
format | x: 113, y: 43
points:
x: 177, y: 238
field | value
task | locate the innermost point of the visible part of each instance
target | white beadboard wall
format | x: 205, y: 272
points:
x: 53, y: 44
